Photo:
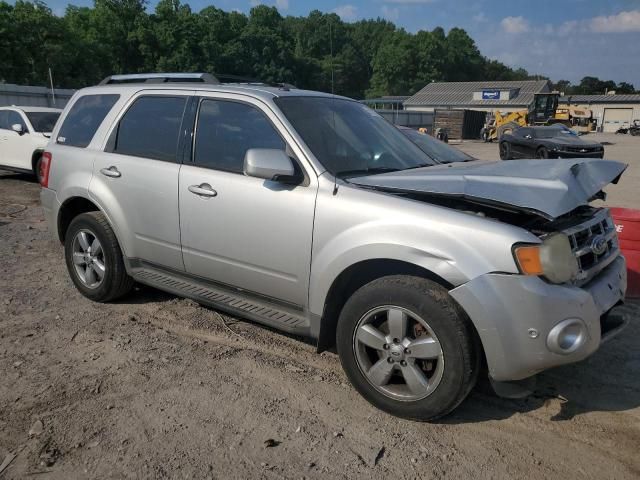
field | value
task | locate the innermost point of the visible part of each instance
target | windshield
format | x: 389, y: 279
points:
x: 552, y: 132
x: 439, y: 151
x: 349, y: 138
x: 43, y: 121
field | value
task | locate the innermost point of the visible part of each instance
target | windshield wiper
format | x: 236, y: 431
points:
x: 422, y: 165
x: 457, y: 161
x: 365, y: 171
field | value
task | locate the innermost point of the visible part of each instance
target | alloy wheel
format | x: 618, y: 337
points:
x: 88, y: 259
x: 398, y: 353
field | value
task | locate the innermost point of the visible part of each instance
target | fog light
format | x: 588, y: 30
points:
x: 567, y: 336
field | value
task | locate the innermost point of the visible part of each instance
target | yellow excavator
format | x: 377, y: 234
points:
x: 577, y: 119
x: 543, y: 111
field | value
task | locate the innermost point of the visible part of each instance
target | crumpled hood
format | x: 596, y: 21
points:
x: 549, y: 188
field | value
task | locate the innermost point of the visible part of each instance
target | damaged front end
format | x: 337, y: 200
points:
x: 529, y: 322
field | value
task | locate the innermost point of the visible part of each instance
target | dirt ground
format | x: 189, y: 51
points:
x: 159, y: 387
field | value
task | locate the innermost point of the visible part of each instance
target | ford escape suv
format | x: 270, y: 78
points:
x: 309, y: 213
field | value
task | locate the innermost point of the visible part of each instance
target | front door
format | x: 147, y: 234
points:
x: 520, y: 147
x: 17, y: 147
x: 246, y: 233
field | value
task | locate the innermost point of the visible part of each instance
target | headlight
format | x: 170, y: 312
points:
x: 552, y: 258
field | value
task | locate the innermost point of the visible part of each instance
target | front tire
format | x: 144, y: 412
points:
x: 505, y: 151
x: 407, y: 347
x: 542, y: 153
x: 94, y: 259
x: 36, y: 168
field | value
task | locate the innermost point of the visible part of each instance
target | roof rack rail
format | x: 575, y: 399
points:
x: 160, y: 78
x: 227, y: 78
x: 215, y: 79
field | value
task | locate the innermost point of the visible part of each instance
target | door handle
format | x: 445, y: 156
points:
x: 110, y: 172
x: 203, y: 190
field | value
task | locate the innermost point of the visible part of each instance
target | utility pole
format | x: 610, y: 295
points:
x: 53, y: 93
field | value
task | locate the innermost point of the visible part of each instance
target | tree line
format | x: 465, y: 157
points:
x: 368, y: 58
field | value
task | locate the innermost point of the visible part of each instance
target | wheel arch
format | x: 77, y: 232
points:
x: 355, y: 276
x: 71, y: 208
x: 35, y: 156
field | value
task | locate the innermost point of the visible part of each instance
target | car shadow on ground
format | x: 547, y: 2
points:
x: 22, y: 177
x: 561, y: 394
x: 143, y: 294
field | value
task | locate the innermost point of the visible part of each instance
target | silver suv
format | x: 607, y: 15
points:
x: 309, y: 213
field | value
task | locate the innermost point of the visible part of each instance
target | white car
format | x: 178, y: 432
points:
x: 24, y: 132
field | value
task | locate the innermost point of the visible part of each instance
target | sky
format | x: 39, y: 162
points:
x: 561, y: 39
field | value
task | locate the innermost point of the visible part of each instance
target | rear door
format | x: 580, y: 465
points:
x: 4, y: 133
x: 251, y: 234
x: 136, y: 178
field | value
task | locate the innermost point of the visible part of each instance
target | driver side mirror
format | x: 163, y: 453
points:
x: 18, y: 128
x: 270, y: 164
x: 528, y: 137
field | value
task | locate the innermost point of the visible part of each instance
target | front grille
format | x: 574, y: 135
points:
x: 594, y: 244
x: 580, y: 149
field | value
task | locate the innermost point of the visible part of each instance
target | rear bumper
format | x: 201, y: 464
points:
x: 518, y: 317
x: 51, y: 206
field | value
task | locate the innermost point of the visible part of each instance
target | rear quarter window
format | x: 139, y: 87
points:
x: 84, y: 118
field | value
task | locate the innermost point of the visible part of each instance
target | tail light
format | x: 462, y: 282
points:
x: 45, y: 167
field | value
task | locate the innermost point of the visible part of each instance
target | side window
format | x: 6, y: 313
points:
x: 84, y: 118
x: 226, y: 130
x: 4, y: 124
x: 13, y: 118
x: 151, y: 127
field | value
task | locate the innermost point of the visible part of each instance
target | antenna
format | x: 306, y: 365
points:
x: 331, y: 50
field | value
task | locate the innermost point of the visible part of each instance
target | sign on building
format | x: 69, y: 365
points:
x: 490, y: 94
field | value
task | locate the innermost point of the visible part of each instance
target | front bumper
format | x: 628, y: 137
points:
x: 561, y: 154
x: 516, y: 314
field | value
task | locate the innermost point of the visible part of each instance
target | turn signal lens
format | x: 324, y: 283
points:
x: 528, y: 258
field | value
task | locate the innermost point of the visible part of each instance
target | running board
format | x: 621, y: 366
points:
x: 232, y: 302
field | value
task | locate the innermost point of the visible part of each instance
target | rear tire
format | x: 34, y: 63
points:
x: 505, y: 151
x: 542, y: 153
x: 36, y: 168
x: 415, y: 384
x: 97, y: 268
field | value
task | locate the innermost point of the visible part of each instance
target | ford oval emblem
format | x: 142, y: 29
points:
x: 599, y: 244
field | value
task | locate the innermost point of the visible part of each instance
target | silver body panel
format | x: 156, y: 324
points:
x: 286, y: 245
x: 254, y: 234
x: 505, y: 307
x: 550, y: 188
